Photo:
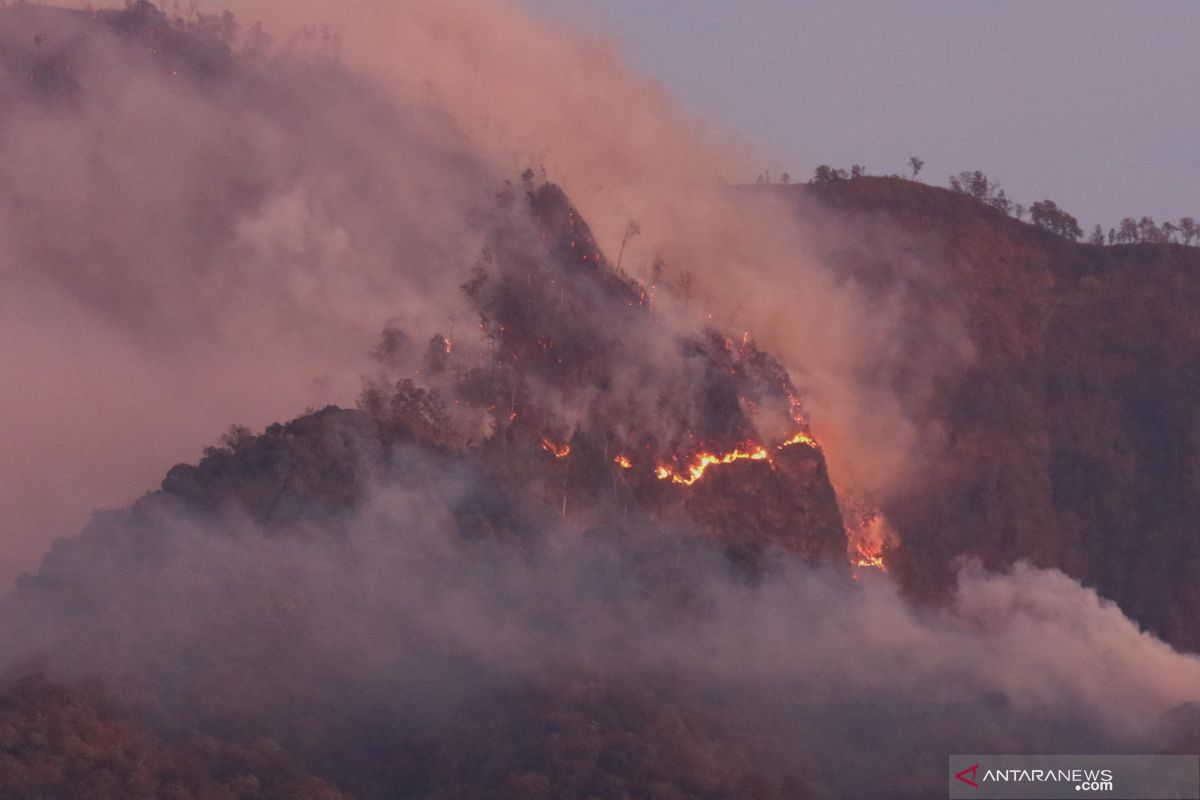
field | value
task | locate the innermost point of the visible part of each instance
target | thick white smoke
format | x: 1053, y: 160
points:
x: 216, y: 623
x: 183, y: 251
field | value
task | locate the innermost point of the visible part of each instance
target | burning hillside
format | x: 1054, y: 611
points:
x: 579, y: 537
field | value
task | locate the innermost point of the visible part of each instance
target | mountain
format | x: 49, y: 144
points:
x: 1070, y: 437
x: 575, y: 539
x: 380, y: 601
x: 198, y: 602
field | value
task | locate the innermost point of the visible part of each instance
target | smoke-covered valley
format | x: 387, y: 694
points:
x: 586, y: 485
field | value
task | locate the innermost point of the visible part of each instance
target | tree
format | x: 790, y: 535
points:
x: 826, y: 174
x: 916, y: 165
x: 974, y: 183
x: 1097, y: 236
x: 437, y: 354
x: 631, y: 230
x: 1148, y: 231
x: 1000, y: 201
x: 1188, y: 230
x: 857, y: 170
x: 785, y: 178
x: 1048, y: 216
x: 1127, y: 231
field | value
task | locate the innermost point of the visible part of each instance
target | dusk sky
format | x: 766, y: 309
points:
x: 1093, y: 105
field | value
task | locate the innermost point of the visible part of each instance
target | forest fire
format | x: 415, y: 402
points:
x: 867, y: 535
x: 705, y: 460
x: 623, y: 462
x: 557, y: 450
x: 801, y: 438
x: 865, y: 555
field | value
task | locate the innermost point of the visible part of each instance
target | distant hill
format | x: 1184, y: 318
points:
x: 1072, y: 438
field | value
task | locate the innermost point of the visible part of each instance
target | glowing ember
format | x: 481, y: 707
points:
x: 622, y: 462
x: 865, y: 558
x: 801, y: 438
x: 868, y: 534
x: 559, y: 450
x: 795, y: 410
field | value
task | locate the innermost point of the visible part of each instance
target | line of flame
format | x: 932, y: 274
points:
x: 703, y: 461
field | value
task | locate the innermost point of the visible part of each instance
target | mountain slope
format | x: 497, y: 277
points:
x: 1071, y: 437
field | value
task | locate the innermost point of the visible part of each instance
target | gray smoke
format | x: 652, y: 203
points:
x: 308, y: 633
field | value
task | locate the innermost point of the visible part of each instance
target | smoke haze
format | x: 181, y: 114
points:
x: 223, y: 239
x: 223, y: 242
x: 394, y: 624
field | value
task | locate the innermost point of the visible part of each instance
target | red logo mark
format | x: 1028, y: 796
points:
x: 969, y: 770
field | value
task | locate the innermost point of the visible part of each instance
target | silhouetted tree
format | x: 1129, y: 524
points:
x: 1048, y: 216
x: 392, y: 346
x: 1000, y: 201
x: 1188, y: 230
x: 1127, y: 231
x: 826, y: 174
x: 631, y: 230
x: 974, y: 183
x: 1148, y: 231
x: 437, y: 354
x: 1097, y: 236
x: 977, y: 185
x: 916, y: 165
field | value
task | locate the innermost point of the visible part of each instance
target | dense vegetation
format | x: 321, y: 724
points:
x: 1045, y: 214
x: 1072, y: 437
x: 61, y: 743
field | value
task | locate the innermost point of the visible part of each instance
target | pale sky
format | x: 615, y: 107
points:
x: 1095, y: 105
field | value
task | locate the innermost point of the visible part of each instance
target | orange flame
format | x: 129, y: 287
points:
x: 558, y: 450
x: 801, y: 438
x: 868, y: 555
x: 623, y: 462
x: 705, y: 460
x: 868, y: 535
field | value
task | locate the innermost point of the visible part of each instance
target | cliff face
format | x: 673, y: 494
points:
x: 1070, y: 438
